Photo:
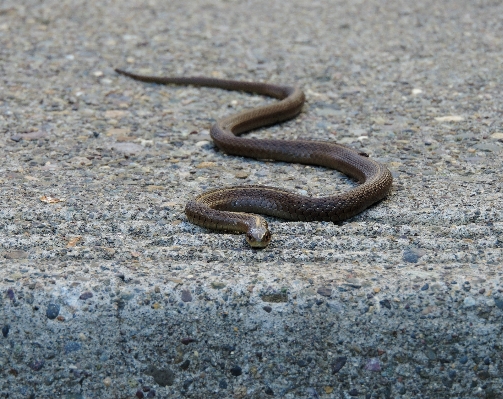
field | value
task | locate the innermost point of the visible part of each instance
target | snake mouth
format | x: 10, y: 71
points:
x: 260, y: 240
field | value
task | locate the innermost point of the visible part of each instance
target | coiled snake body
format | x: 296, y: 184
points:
x: 229, y: 208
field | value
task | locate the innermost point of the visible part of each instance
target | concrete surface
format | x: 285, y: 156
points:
x: 108, y: 291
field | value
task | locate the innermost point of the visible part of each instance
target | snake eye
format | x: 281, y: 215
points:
x: 249, y: 236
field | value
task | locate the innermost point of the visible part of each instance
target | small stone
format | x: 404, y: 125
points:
x: 338, y: 364
x: 325, y: 291
x: 36, y: 365
x: 328, y: 389
x: 185, y: 365
x: 16, y: 255
x: 373, y: 365
x: 222, y: 384
x: 354, y: 392
x: 206, y: 165
x: 236, y: 371
x: 127, y: 148
x: 187, y: 340
x: 162, y: 377
x: 86, y: 295
x: 52, y: 311
x: 497, y: 136
x: 72, y: 347
x: 217, y: 285
x: 241, y: 175
x: 429, y: 309
x: 469, y: 302
x: 377, y: 290
x: 425, y: 287
x: 269, y: 391
x: 139, y: 394
x: 186, y: 296
x: 449, y: 118
x: 10, y: 294
x: 463, y: 360
x: 499, y: 303
x: 267, y: 308
x: 115, y: 114
x: 386, y: 303
x: 107, y: 381
x: 430, y: 354
x: 410, y: 256
x: 354, y: 282
x: 5, y: 330
x: 275, y: 298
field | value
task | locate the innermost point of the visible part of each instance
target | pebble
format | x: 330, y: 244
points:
x: 163, y: 377
x: 353, y: 282
x: 127, y: 148
x: 107, y: 382
x: 430, y: 354
x: 338, y: 364
x: 325, y: 291
x: 186, y: 296
x: 16, y: 255
x: 5, y: 330
x: 236, y: 371
x: 36, y: 365
x: 218, y: 285
x: 10, y: 294
x: 86, y: 295
x: 52, y: 311
x: 241, y: 175
x: 499, y: 303
x: 469, y: 302
x: 386, y: 303
x: 72, y: 347
x: 373, y: 364
x: 187, y: 340
x: 410, y: 256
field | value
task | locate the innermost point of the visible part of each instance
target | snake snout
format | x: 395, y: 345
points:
x: 258, y: 237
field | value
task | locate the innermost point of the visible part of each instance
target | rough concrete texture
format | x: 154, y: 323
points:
x: 108, y: 292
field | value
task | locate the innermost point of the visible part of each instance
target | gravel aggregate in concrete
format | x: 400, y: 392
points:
x: 108, y: 291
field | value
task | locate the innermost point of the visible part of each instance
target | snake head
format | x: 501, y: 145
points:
x: 259, y: 236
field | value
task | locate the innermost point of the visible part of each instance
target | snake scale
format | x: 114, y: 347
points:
x: 233, y: 208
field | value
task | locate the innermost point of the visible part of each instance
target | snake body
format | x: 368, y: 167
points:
x: 229, y: 208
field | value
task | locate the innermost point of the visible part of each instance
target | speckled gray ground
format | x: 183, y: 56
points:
x: 108, y: 292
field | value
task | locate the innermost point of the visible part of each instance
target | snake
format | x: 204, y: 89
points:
x: 235, y: 208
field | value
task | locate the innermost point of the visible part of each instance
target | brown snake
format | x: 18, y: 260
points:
x: 224, y: 208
